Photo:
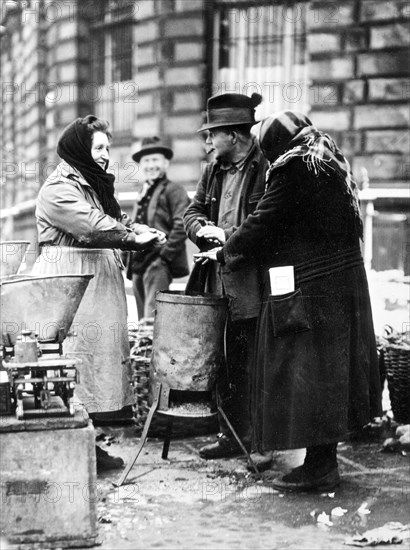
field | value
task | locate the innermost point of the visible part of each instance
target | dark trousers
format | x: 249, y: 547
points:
x: 234, y: 381
x: 145, y: 285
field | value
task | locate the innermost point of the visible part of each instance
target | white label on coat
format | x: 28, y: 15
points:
x: 282, y: 280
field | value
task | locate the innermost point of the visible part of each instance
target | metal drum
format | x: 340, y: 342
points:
x: 187, y: 351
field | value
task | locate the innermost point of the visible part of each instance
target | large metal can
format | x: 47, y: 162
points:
x: 188, y: 342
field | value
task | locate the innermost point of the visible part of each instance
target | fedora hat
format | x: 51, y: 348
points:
x: 230, y: 110
x: 151, y: 146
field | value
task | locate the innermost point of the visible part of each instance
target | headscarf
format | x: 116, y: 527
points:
x: 286, y: 135
x: 74, y: 146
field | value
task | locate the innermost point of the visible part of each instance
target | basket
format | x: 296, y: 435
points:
x: 397, y: 364
x: 140, y: 363
x: 140, y: 383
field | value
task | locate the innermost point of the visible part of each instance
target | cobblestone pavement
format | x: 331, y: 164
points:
x: 185, y: 502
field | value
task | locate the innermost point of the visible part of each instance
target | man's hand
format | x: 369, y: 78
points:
x: 212, y: 233
x: 161, y: 238
x: 204, y: 257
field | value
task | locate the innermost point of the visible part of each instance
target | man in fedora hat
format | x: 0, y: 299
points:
x: 227, y: 192
x: 161, y: 205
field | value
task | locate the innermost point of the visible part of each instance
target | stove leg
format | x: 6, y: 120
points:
x: 242, y: 446
x: 167, y: 440
x: 144, y: 434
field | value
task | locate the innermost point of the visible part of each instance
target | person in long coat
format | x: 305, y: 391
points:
x: 316, y: 377
x: 80, y: 229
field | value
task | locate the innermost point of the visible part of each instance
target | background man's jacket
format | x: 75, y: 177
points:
x: 165, y: 212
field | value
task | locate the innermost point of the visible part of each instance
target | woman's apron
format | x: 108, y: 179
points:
x: 98, y: 337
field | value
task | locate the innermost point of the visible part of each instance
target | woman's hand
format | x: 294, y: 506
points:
x: 139, y: 228
x: 149, y: 235
x: 140, y: 241
x: 204, y: 257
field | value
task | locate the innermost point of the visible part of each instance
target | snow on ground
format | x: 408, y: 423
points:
x: 390, y: 297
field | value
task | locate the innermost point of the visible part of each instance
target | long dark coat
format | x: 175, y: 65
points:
x: 316, y: 376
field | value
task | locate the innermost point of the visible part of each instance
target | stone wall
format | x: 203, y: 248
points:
x: 43, y: 67
x: 67, y: 72
x: 22, y: 109
x: 170, y: 67
x: 360, y: 82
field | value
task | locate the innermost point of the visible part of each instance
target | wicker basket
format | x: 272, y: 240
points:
x: 397, y: 364
x: 140, y: 382
x: 140, y: 363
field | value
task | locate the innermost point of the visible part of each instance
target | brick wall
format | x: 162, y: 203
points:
x: 360, y: 83
x: 170, y: 73
x: 22, y: 114
x: 22, y: 109
x: 67, y: 72
x: 42, y: 66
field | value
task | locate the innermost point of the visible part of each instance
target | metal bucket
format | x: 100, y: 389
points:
x: 188, y: 343
x: 45, y: 305
x: 11, y: 257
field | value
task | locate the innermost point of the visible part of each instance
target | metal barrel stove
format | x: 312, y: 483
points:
x: 187, y: 351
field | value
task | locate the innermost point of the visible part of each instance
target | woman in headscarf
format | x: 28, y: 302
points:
x: 316, y: 377
x: 80, y: 229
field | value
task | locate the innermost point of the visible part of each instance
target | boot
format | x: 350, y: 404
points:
x: 107, y: 462
x: 223, y: 447
x: 319, y: 472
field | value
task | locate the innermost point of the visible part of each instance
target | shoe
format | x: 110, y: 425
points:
x: 303, y: 479
x: 263, y: 461
x: 222, y: 448
x: 106, y: 461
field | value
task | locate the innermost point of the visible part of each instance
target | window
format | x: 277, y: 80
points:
x: 111, y: 61
x: 263, y: 49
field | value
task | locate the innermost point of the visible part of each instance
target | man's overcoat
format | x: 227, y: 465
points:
x: 242, y: 286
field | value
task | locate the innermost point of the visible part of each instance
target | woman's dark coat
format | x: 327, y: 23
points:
x: 316, y: 368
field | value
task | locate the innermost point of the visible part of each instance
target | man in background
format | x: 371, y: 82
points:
x: 160, y: 205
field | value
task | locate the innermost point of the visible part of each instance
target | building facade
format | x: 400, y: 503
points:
x: 148, y: 66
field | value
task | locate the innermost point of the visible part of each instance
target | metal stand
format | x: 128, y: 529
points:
x: 144, y: 434
x: 168, y: 435
x: 238, y: 440
x: 167, y: 439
